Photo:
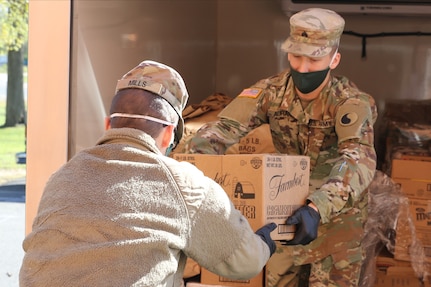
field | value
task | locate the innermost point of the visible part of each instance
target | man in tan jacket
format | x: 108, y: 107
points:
x: 122, y: 213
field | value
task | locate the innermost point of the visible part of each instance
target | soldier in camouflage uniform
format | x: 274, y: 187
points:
x: 326, y: 117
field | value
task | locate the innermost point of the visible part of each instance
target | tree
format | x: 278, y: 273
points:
x: 14, y: 35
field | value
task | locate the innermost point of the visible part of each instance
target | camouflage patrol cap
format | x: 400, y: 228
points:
x: 314, y: 32
x: 161, y: 80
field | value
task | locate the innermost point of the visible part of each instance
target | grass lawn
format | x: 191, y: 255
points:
x: 12, y: 141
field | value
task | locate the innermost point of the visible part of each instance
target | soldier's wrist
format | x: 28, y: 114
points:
x: 312, y: 205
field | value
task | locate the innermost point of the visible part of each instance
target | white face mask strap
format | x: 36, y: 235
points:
x: 333, y: 58
x: 133, y: 116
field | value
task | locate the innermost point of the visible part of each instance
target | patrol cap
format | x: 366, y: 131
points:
x: 161, y: 80
x: 314, y: 32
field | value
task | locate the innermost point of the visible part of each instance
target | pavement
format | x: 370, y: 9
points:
x: 12, y: 231
x: 12, y: 218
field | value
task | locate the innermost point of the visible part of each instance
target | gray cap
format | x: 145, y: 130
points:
x: 314, y: 32
x: 161, y: 80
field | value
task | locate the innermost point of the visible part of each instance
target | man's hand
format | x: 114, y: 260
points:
x: 264, y: 233
x: 306, y: 219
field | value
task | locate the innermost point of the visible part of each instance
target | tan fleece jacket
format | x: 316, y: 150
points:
x: 123, y: 214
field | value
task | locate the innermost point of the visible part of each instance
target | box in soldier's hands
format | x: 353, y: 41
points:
x: 264, y: 187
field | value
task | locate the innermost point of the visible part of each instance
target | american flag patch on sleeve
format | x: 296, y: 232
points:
x: 250, y: 93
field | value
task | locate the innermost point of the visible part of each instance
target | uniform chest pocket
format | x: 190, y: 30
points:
x: 322, y: 134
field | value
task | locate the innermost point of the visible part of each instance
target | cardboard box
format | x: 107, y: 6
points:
x: 415, y: 188
x: 385, y: 280
x: 264, y: 187
x: 393, y: 273
x: 411, y: 169
x: 414, y: 177
x: 420, y: 216
x: 385, y: 260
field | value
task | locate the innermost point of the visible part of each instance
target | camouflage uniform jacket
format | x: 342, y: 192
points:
x: 335, y: 130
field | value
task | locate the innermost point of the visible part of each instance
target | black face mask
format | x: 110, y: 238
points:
x: 308, y: 82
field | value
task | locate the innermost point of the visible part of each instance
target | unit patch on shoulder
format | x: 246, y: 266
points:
x: 250, y: 93
x: 349, y: 119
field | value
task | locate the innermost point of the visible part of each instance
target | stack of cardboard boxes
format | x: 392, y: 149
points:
x: 414, y: 178
x: 413, y: 231
x: 407, y: 159
x: 396, y: 273
x: 264, y: 187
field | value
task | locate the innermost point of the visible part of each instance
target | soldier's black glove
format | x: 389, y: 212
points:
x: 264, y: 233
x: 307, y: 221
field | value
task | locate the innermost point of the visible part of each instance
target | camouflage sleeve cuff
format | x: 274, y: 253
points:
x: 324, y: 205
